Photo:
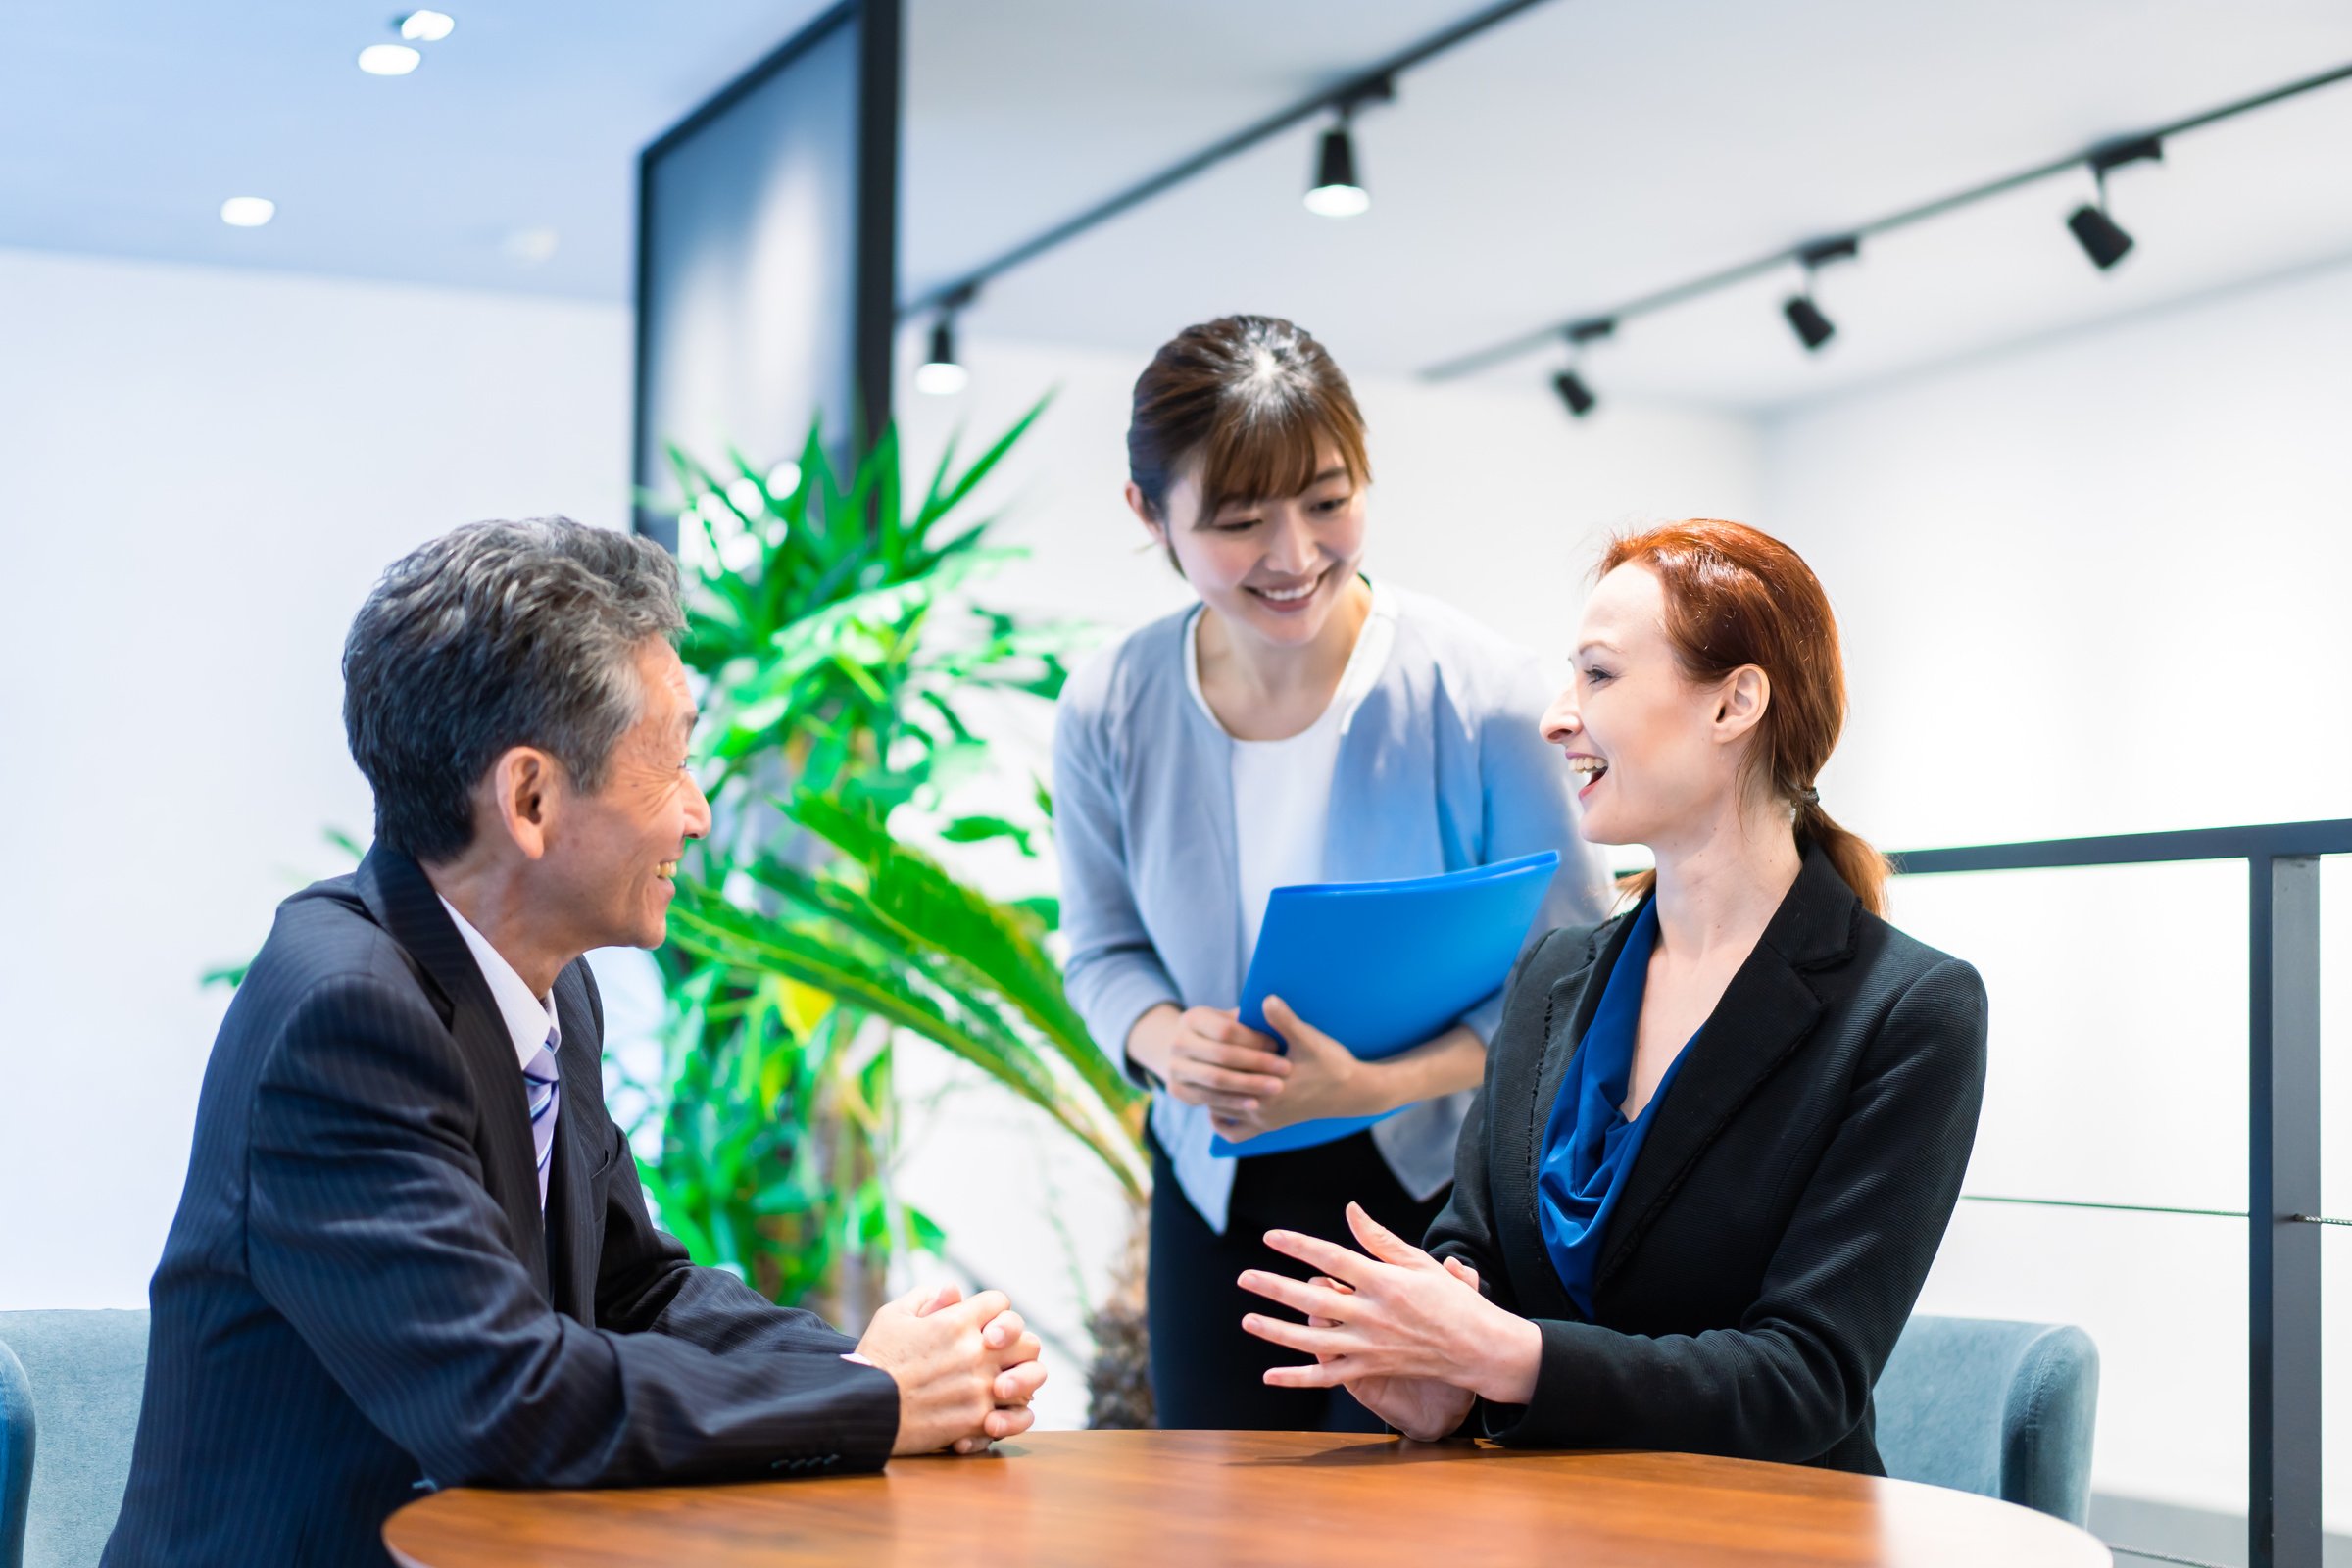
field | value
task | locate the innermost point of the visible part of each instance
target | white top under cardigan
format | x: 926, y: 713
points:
x: 1281, y: 789
x: 1440, y: 767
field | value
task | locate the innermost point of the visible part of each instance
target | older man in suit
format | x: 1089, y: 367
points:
x: 411, y: 1250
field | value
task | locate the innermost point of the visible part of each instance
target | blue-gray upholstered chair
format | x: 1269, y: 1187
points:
x: 16, y: 1456
x: 72, y: 1406
x: 2004, y: 1409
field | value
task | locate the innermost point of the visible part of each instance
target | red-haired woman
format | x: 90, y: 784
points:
x: 1721, y: 1135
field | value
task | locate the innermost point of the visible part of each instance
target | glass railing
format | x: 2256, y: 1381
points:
x: 2284, y: 1211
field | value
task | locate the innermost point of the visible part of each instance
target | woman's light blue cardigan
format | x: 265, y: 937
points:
x: 1440, y: 767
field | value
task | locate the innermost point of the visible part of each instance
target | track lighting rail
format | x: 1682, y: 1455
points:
x: 1375, y: 83
x: 2098, y: 160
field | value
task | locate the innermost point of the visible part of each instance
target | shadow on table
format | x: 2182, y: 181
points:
x: 1346, y: 1454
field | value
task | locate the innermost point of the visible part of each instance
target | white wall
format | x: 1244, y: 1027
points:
x: 206, y: 470
x: 2098, y: 584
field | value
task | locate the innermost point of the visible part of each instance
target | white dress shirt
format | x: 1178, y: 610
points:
x: 531, y: 1020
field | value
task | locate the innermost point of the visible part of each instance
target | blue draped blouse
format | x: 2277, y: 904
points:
x: 1589, y: 1146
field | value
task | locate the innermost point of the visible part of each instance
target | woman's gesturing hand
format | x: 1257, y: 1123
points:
x: 1399, y: 1316
x: 1425, y: 1409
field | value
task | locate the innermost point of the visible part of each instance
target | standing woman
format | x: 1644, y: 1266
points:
x: 1298, y: 724
x: 1723, y: 1133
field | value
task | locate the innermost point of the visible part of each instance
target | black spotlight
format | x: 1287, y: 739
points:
x: 942, y: 375
x: 942, y: 372
x: 2104, y: 240
x: 2101, y: 237
x: 1571, y: 386
x: 1573, y: 392
x: 1812, y: 328
x: 1337, y: 192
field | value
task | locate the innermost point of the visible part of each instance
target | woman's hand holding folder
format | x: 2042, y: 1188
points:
x: 1254, y: 1082
x: 1329, y: 1080
x: 1207, y: 1056
x: 1325, y: 1079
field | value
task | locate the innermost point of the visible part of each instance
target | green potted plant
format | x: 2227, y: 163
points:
x: 832, y: 623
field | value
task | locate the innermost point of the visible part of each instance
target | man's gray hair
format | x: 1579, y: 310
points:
x: 492, y: 636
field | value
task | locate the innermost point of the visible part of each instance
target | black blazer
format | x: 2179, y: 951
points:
x: 1780, y: 1219
x: 358, y: 1300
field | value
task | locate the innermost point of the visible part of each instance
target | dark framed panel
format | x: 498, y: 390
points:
x: 766, y: 276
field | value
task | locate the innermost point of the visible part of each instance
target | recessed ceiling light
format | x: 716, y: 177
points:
x: 388, y: 59
x: 530, y: 247
x: 247, y: 212
x: 426, y: 26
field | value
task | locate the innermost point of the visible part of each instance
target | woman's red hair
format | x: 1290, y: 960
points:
x: 1735, y: 596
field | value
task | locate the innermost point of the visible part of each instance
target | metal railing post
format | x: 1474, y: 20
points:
x: 2283, y: 1262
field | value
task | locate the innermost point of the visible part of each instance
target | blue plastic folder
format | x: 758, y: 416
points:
x: 1381, y: 966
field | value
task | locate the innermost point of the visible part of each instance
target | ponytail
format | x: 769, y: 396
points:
x: 1857, y: 862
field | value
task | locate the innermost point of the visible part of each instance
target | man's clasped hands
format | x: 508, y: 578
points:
x: 967, y: 1370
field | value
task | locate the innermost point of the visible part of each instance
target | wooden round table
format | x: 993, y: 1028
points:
x: 1282, y: 1499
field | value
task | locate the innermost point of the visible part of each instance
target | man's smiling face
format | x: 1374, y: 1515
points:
x: 612, y: 856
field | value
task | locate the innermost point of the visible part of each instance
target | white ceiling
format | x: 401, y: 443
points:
x: 124, y: 123
x: 1592, y: 150
x: 1586, y: 152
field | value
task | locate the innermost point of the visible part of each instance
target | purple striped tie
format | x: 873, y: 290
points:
x: 546, y: 1093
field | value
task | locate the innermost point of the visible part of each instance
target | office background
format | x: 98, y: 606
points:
x: 2089, y: 532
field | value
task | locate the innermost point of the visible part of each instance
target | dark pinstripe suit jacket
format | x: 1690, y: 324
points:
x: 1778, y: 1223
x: 358, y: 1300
